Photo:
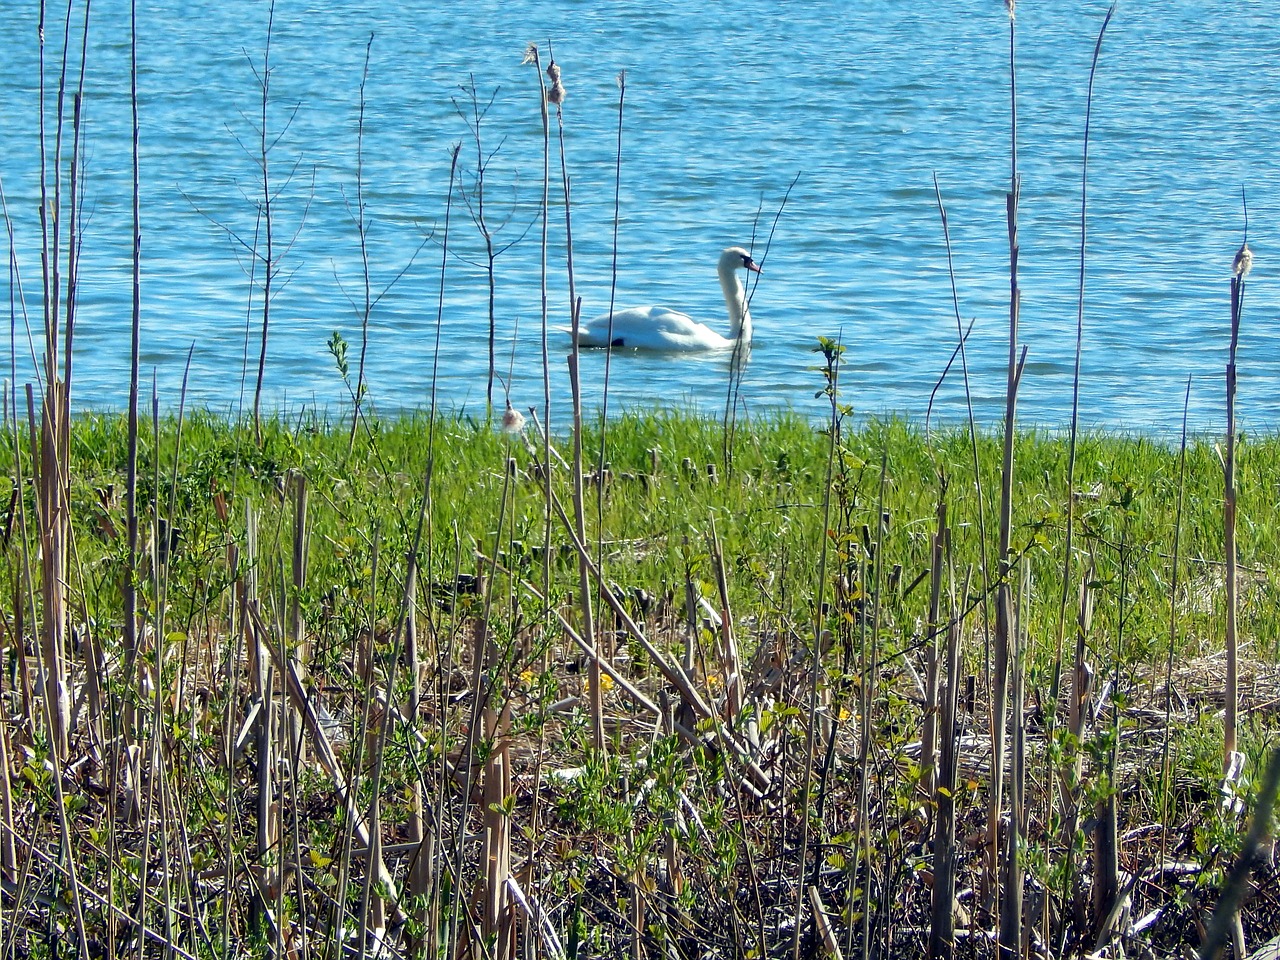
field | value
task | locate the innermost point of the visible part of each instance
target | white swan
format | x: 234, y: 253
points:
x: 660, y: 328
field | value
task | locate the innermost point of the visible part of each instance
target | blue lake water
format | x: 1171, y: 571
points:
x: 725, y: 105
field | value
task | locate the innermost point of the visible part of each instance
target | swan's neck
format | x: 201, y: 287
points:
x: 735, y: 298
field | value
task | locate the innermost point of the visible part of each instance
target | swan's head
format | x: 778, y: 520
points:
x: 735, y: 258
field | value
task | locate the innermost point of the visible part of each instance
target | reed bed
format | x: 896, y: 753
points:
x: 442, y: 686
x: 499, y: 822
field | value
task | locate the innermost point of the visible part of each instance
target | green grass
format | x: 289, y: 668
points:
x: 768, y: 511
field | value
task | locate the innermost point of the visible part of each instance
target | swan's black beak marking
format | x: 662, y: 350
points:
x: 751, y: 265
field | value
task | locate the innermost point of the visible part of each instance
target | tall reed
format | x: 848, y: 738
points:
x: 1081, y: 672
x: 1010, y: 921
x: 362, y: 232
x: 1240, y: 268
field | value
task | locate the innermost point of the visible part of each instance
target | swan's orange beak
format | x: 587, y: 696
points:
x: 753, y: 266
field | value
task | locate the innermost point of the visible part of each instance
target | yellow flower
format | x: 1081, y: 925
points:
x: 844, y: 714
x: 526, y: 678
x: 606, y: 683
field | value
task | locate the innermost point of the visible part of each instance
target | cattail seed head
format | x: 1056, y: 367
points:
x: 512, y: 420
x: 1243, y: 262
x: 530, y: 54
x: 556, y: 93
x: 1008, y: 6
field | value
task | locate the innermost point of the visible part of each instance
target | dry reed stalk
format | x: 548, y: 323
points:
x: 636, y: 898
x: 469, y: 761
x: 231, y: 668
x: 497, y: 916
x: 439, y: 929
x: 963, y: 337
x: 54, y: 518
x: 756, y: 780
x: 8, y: 815
x: 826, y: 931
x: 673, y: 674
x: 734, y: 685
x: 414, y: 662
x: 730, y: 661
x: 1068, y: 557
x: 1072, y: 775
x: 1243, y: 263
x: 613, y: 290
x: 532, y: 909
x: 418, y: 884
x: 999, y: 680
x: 362, y: 230
x: 483, y: 729
x: 1012, y: 930
x: 1082, y: 673
x: 595, y: 696
x: 869, y: 656
x: 23, y: 592
x: 1226, y: 916
x: 934, y: 628
x: 129, y: 591
x: 260, y: 651
x: 1106, y: 849
x: 439, y: 796
x: 378, y: 718
x: 680, y: 679
x: 299, y: 646
x: 361, y: 826
x: 532, y: 56
x: 94, y: 698
x: 1166, y: 774
x: 942, y: 913
x: 595, y: 702
x: 267, y: 216
x: 157, y: 783
x: 51, y: 467
x: 1106, y: 834
x: 292, y: 647
x: 833, y: 354
x: 688, y: 658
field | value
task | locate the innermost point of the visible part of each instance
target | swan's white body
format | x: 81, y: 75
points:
x: 661, y: 328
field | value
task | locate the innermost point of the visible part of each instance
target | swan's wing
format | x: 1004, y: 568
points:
x: 648, y: 328
x: 642, y: 318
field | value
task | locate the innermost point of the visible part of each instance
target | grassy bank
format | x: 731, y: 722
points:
x: 683, y: 778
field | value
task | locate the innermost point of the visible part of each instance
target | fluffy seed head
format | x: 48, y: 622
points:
x: 1243, y: 262
x: 512, y: 420
x: 556, y: 93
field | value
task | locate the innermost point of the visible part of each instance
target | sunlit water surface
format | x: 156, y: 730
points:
x: 862, y: 105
